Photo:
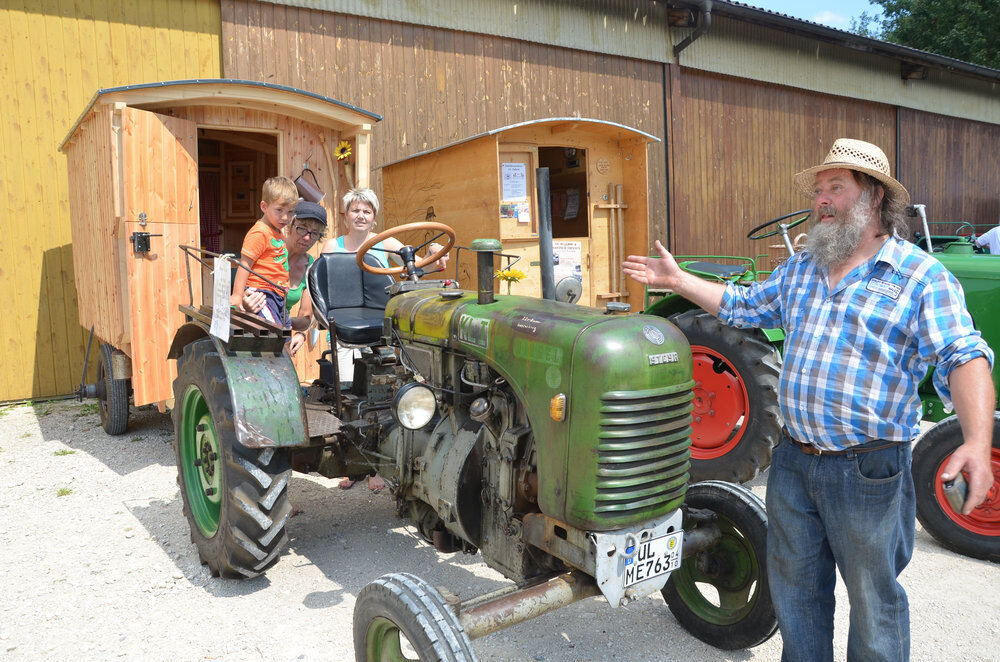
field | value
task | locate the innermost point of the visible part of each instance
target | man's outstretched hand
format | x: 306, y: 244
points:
x: 660, y: 272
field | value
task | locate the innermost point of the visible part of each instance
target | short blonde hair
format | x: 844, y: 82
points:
x: 365, y: 195
x: 279, y: 189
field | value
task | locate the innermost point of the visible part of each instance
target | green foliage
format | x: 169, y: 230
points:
x: 63, y: 491
x: 43, y: 411
x: 135, y: 439
x: 962, y: 29
x: 64, y: 451
x: 87, y: 409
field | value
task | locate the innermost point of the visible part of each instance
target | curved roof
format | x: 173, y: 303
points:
x: 569, y: 122
x: 255, y: 95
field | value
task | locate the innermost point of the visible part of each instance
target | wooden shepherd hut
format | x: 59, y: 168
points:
x: 154, y: 167
x: 485, y: 186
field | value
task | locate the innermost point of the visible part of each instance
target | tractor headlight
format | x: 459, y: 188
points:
x: 414, y: 406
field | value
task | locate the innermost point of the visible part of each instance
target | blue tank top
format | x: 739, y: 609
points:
x: 379, y: 255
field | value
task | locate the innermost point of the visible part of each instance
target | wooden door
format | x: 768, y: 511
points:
x: 159, y: 184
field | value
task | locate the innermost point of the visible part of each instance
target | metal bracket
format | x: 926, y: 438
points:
x: 140, y: 241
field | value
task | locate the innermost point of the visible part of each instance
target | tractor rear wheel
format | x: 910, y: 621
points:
x: 976, y: 534
x: 235, y: 497
x: 402, y: 617
x: 112, y: 394
x: 721, y: 594
x: 736, y: 420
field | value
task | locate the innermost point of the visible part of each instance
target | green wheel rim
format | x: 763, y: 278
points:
x: 731, y: 567
x: 382, y: 642
x: 201, y: 462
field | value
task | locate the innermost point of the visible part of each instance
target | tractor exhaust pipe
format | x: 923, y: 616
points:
x: 485, y: 250
x: 545, y: 256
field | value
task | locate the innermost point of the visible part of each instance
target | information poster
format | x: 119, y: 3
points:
x: 220, y: 300
x: 568, y: 258
x: 514, y: 177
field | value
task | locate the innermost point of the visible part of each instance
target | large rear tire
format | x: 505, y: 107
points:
x: 399, y: 608
x: 721, y: 594
x: 736, y: 419
x: 976, y: 534
x: 235, y: 497
x: 112, y: 394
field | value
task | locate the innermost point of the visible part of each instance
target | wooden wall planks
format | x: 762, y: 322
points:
x: 58, y: 53
x: 951, y: 166
x: 437, y: 86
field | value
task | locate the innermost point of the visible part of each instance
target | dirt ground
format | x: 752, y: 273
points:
x: 97, y: 564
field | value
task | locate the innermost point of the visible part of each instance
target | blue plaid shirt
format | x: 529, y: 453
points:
x: 854, y: 355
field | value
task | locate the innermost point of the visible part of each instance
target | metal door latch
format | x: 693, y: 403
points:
x: 140, y: 241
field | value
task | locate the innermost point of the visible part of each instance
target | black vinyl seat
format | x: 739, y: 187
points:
x: 346, y: 300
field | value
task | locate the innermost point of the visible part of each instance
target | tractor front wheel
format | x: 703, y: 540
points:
x: 721, y: 594
x: 736, y: 421
x: 401, y: 617
x: 235, y: 497
x: 976, y: 534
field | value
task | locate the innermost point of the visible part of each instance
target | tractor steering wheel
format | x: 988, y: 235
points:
x: 753, y: 233
x: 972, y: 231
x: 407, y: 251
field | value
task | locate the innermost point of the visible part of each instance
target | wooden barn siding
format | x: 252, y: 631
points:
x: 436, y: 86
x: 57, y: 53
x: 951, y: 165
x: 736, y: 145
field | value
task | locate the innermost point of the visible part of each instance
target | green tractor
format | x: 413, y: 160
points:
x: 551, y: 438
x: 736, y: 420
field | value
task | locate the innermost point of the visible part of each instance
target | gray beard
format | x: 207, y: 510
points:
x: 834, y: 241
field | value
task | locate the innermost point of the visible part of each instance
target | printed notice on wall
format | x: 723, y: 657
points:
x: 572, y: 203
x: 567, y: 259
x: 220, y: 300
x: 514, y: 177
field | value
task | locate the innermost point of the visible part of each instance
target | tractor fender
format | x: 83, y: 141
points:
x: 268, y: 409
x: 674, y: 304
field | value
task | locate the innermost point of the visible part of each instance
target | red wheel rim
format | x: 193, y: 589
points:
x: 719, y: 418
x: 985, y: 519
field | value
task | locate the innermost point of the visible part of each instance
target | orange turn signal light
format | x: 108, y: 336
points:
x: 557, y: 407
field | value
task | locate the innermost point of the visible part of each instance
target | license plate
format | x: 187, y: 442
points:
x: 653, y: 558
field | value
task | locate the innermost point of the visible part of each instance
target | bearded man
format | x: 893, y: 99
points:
x: 865, y: 314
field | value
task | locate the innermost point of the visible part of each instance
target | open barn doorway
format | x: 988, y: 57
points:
x: 570, y: 219
x: 232, y: 167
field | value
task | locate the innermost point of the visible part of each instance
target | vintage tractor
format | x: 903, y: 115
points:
x: 736, y: 418
x: 550, y: 437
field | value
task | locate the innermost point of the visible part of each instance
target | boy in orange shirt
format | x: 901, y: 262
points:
x: 264, y: 251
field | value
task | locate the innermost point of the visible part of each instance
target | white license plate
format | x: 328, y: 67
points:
x: 653, y: 558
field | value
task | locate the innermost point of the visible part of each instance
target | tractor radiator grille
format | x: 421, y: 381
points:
x: 642, y: 452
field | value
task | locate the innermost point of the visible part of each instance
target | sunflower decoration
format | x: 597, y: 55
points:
x: 510, y: 276
x: 343, y: 150
x: 343, y: 153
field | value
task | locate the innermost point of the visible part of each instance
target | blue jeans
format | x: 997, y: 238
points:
x: 851, y: 512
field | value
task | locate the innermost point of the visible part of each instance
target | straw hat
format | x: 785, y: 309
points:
x: 853, y: 155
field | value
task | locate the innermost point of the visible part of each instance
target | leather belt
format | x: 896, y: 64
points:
x: 809, y: 449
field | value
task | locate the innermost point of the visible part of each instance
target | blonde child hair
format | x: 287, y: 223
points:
x: 279, y: 189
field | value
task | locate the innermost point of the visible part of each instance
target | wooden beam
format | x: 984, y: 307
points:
x: 241, y: 139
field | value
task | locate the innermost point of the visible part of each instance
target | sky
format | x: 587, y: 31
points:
x: 835, y: 14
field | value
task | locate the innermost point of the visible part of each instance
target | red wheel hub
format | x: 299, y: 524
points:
x: 985, y: 519
x: 720, y: 405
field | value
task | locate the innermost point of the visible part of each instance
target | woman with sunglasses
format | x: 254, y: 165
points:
x: 307, y: 227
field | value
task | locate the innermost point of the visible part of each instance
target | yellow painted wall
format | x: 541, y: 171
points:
x: 54, y: 56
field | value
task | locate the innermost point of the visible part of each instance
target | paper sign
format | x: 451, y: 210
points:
x: 220, y: 300
x: 567, y: 258
x: 523, y: 213
x: 514, y: 177
x: 572, y: 203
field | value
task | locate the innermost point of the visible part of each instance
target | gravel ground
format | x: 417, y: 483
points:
x: 97, y: 564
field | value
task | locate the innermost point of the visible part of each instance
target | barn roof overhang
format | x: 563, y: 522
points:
x: 253, y: 95
x: 602, y: 127
x: 911, y: 59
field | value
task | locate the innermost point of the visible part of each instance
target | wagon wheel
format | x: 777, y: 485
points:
x: 112, y: 394
x: 235, y: 497
x: 736, y: 419
x: 402, y: 617
x: 721, y: 594
x: 976, y: 534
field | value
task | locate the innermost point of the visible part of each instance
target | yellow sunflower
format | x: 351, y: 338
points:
x: 510, y: 276
x: 343, y: 150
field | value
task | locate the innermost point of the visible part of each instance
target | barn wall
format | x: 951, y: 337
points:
x: 55, y: 56
x: 736, y: 144
x: 435, y: 86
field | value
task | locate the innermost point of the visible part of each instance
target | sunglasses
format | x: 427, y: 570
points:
x: 306, y: 232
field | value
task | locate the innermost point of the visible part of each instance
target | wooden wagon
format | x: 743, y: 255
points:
x: 484, y: 186
x: 153, y: 167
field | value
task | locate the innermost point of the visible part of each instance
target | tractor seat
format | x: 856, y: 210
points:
x: 716, y: 269
x: 346, y: 300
